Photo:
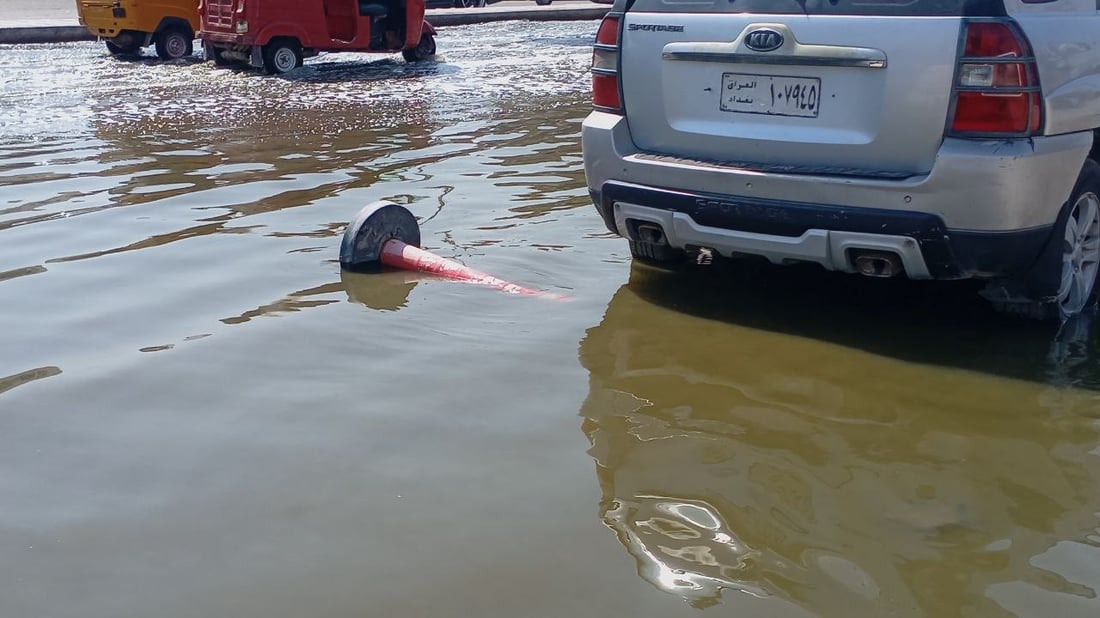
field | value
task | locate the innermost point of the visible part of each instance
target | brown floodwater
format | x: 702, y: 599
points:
x: 201, y: 415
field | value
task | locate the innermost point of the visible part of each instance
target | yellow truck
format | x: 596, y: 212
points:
x: 129, y: 25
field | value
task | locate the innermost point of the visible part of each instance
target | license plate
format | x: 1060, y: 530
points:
x: 775, y: 95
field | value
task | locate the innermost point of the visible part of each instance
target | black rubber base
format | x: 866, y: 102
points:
x: 371, y: 228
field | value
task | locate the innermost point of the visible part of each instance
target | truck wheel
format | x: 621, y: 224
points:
x: 216, y: 54
x: 1063, y: 282
x: 424, y: 50
x: 281, y: 56
x: 122, y: 50
x: 173, y: 43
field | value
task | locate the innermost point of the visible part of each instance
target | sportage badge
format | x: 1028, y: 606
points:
x: 763, y: 40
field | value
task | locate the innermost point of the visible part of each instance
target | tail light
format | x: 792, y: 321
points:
x: 997, y: 92
x: 242, y: 23
x: 605, y: 66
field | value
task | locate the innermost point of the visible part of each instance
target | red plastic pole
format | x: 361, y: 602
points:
x: 398, y: 254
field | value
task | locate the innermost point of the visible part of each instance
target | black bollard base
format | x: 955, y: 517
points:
x: 378, y: 222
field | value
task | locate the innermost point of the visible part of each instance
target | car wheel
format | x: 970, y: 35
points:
x: 281, y: 56
x: 174, y: 43
x: 543, y: 2
x: 1063, y: 282
x: 122, y: 50
x: 424, y: 50
x: 469, y: 4
x: 1080, y: 235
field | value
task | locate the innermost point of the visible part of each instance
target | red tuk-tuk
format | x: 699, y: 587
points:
x: 277, y: 34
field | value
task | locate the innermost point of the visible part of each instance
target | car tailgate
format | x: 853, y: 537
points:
x: 857, y: 93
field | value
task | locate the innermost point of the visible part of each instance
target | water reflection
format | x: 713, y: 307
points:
x: 760, y: 437
x: 937, y: 323
x: 25, y: 377
x: 383, y: 291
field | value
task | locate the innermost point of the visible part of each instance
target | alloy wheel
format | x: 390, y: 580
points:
x: 1080, y: 255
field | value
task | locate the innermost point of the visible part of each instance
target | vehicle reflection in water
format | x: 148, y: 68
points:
x: 766, y: 437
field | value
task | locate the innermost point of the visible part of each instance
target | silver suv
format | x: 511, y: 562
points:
x: 932, y: 139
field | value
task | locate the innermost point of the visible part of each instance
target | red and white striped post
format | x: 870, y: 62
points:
x: 387, y: 234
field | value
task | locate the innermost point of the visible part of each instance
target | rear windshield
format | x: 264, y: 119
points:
x: 970, y: 8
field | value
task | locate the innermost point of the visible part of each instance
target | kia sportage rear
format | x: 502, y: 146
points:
x: 932, y: 139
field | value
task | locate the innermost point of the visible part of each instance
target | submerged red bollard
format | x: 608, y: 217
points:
x: 387, y: 234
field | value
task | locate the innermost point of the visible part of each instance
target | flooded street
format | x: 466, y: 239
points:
x: 201, y: 415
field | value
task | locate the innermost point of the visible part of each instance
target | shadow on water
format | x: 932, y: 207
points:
x: 349, y: 67
x: 153, y: 60
x: 852, y: 447
x: 937, y: 323
x: 387, y: 68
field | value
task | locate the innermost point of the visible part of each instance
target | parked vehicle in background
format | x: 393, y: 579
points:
x: 933, y: 139
x: 129, y: 25
x: 455, y: 4
x: 277, y: 34
x: 473, y: 4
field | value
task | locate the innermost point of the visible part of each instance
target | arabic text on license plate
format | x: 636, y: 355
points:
x: 774, y: 95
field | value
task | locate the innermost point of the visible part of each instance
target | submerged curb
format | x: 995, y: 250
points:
x: 437, y: 17
x: 44, y: 34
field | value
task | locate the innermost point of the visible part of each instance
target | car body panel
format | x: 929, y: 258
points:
x: 147, y: 17
x: 885, y: 117
x: 986, y: 185
x: 1063, y: 36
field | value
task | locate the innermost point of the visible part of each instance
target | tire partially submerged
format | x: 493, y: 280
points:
x: 1063, y: 282
x: 174, y: 43
x: 281, y: 56
x: 424, y: 50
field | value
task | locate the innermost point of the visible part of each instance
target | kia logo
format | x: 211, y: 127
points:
x: 763, y: 40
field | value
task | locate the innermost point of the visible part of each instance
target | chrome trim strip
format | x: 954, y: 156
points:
x: 791, y: 52
x: 743, y: 58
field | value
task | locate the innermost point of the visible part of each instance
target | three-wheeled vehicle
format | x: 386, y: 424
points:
x: 129, y: 25
x: 277, y: 34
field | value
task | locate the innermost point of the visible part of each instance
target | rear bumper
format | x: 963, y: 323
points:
x: 979, y: 186
x: 227, y: 38
x: 985, y: 210
x: 100, y: 21
x: 826, y: 235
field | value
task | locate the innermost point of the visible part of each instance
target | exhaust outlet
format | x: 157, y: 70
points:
x: 650, y: 233
x: 882, y: 264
